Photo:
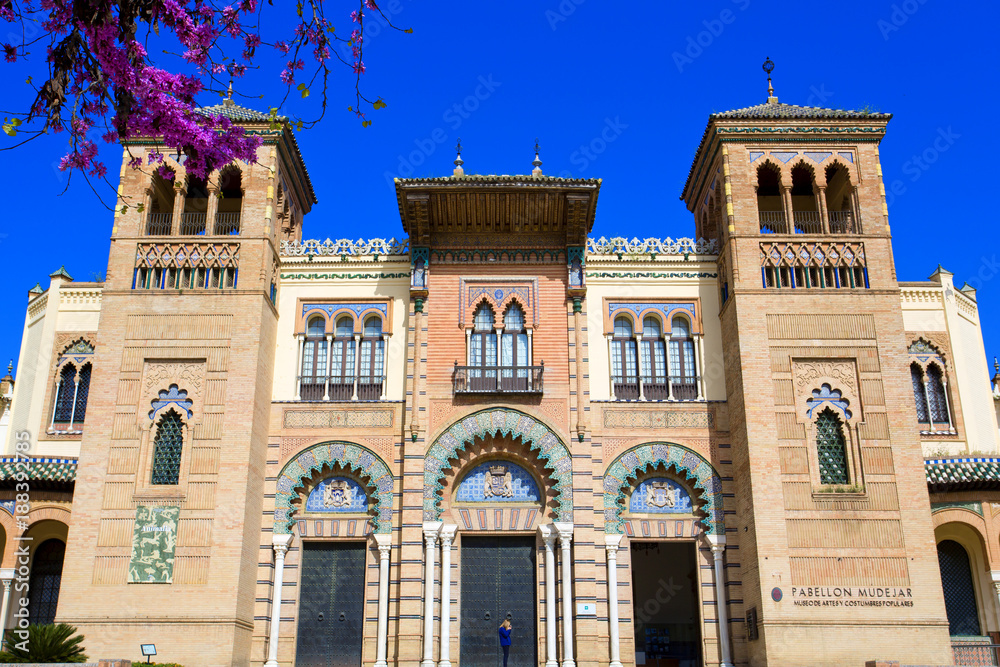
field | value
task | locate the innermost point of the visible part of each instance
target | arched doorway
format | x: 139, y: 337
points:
x: 46, y: 577
x: 959, y: 589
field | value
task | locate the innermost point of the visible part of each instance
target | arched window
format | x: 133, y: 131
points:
x: 372, y: 355
x: 313, y: 376
x: 46, y: 577
x: 654, y: 360
x: 167, y: 446
x: 483, y: 351
x: 195, y: 207
x: 159, y: 217
x: 805, y: 207
x: 831, y: 448
x: 624, y: 364
x: 342, y: 360
x: 683, y: 375
x: 935, y: 396
x: 840, y: 200
x: 770, y: 206
x: 514, y: 351
x: 64, y: 394
x: 230, y: 204
x: 959, y: 591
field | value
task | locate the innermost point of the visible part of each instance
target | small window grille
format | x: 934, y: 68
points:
x: 831, y: 449
x: 167, y: 449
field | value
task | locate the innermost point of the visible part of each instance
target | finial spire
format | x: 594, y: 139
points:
x: 10, y: 366
x: 458, y: 160
x: 537, y: 162
x: 769, y: 67
x: 229, y: 95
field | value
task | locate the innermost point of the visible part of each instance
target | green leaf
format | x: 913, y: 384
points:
x: 300, y: 86
x: 15, y: 121
x: 409, y: 30
x: 140, y: 207
x: 298, y: 126
x: 9, y: 130
x: 305, y: 93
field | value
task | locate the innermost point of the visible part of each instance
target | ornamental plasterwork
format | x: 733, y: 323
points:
x: 350, y: 247
x: 158, y: 377
x: 619, y: 245
x: 812, y: 254
x: 808, y: 373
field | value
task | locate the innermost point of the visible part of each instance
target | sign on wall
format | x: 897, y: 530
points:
x: 153, y: 543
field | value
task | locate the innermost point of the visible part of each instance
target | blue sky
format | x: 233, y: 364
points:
x: 645, y: 76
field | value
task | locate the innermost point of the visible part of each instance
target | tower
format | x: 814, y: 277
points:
x: 168, y: 505
x: 836, y: 558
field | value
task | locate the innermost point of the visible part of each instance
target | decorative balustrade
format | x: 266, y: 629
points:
x: 619, y: 245
x: 193, y: 224
x: 628, y: 388
x: 227, y: 224
x: 345, y: 247
x: 158, y: 224
x: 772, y: 222
x: 807, y: 222
x: 842, y: 222
x: 498, y: 379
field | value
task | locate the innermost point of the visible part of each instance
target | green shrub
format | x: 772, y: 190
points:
x: 45, y: 643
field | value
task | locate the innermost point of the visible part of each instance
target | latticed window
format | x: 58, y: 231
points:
x: 935, y: 395
x: 959, y: 592
x: 917, y: 376
x: 683, y: 375
x: 831, y: 449
x: 313, y: 376
x: 82, y: 391
x: 372, y: 353
x: 167, y: 449
x: 342, y: 360
x: 46, y: 577
x: 654, y: 355
x: 64, y: 394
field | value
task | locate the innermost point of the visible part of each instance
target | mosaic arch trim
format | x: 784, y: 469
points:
x: 350, y: 456
x: 691, y: 466
x: 498, y: 421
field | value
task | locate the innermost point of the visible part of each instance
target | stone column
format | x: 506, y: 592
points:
x: 431, y: 530
x: 280, y: 545
x: 384, y: 543
x: 824, y: 214
x: 611, y: 544
x: 55, y: 403
x: 786, y: 198
x: 447, y: 535
x: 565, y: 531
x: 210, y: 214
x: 548, y: 534
x: 718, y: 544
x: 329, y: 360
x: 6, y: 575
x: 357, y: 364
x: 947, y: 404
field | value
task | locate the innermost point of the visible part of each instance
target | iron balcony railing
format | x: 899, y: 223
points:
x: 772, y: 222
x: 193, y: 224
x: 498, y: 379
x: 319, y: 388
x: 626, y: 388
x: 158, y: 224
x: 807, y: 222
x: 842, y: 222
x: 227, y: 224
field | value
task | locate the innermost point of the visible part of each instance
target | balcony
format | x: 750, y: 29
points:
x: 842, y: 222
x: 628, y: 388
x: 158, y: 224
x: 498, y: 379
x: 193, y: 224
x: 772, y: 222
x: 364, y: 388
x: 227, y: 224
x: 807, y: 222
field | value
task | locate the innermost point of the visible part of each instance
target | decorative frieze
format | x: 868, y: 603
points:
x: 621, y: 246
x: 658, y: 419
x: 338, y: 418
x: 346, y: 247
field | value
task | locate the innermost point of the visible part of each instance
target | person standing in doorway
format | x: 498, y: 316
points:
x: 505, y: 629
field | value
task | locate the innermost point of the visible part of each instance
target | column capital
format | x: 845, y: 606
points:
x: 7, y: 574
x: 383, y: 542
x: 548, y: 533
x: 280, y: 543
x: 612, y: 543
x: 565, y: 531
x: 448, y: 534
x: 431, y: 531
